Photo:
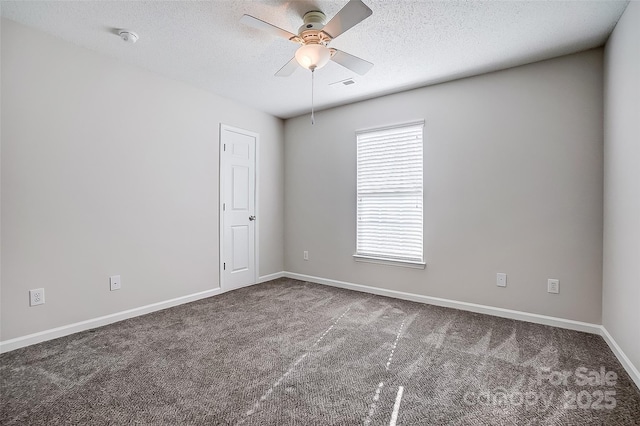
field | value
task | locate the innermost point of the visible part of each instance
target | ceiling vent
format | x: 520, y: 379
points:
x: 347, y: 82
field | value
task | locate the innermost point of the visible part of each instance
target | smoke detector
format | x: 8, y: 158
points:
x: 128, y: 36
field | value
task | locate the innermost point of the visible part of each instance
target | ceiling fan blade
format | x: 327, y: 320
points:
x: 265, y: 26
x: 351, y: 14
x: 288, y: 68
x: 351, y: 62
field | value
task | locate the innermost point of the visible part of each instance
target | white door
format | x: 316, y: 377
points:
x: 238, y: 212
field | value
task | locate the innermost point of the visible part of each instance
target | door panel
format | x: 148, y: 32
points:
x: 240, y: 242
x: 237, y: 195
x: 240, y: 186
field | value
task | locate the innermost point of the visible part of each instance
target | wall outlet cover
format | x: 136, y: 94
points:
x: 114, y: 282
x: 36, y: 297
x: 501, y: 279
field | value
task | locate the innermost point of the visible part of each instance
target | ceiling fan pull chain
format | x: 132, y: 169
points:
x: 312, y: 117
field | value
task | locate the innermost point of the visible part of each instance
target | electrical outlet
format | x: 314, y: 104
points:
x: 553, y: 286
x: 36, y: 297
x: 501, y: 279
x: 114, y: 282
x: 305, y: 255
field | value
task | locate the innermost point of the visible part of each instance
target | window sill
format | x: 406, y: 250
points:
x: 390, y: 262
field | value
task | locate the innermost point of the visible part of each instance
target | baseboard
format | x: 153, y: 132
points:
x: 270, y: 277
x: 624, y: 360
x: 54, y: 333
x: 489, y: 310
x: 465, y: 306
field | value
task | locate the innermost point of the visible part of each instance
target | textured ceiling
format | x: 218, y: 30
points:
x: 411, y: 43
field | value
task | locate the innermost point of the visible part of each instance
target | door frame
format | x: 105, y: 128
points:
x: 256, y: 240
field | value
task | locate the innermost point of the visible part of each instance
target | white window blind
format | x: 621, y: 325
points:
x: 389, y: 191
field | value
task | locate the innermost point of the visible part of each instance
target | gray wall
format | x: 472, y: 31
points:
x: 109, y: 169
x: 621, y: 283
x: 513, y: 183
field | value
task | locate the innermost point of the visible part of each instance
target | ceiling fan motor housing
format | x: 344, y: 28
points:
x: 310, y: 31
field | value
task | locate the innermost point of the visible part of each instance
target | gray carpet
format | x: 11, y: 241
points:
x: 293, y: 353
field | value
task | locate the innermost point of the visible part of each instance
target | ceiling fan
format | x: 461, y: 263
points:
x: 315, y: 36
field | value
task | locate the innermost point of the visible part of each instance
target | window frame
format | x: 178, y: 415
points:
x: 390, y: 260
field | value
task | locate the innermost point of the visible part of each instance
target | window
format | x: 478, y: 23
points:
x: 389, y: 195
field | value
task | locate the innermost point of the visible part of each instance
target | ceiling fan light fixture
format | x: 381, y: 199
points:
x: 313, y: 56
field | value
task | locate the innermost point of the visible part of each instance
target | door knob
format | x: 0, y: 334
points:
x: 252, y: 218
